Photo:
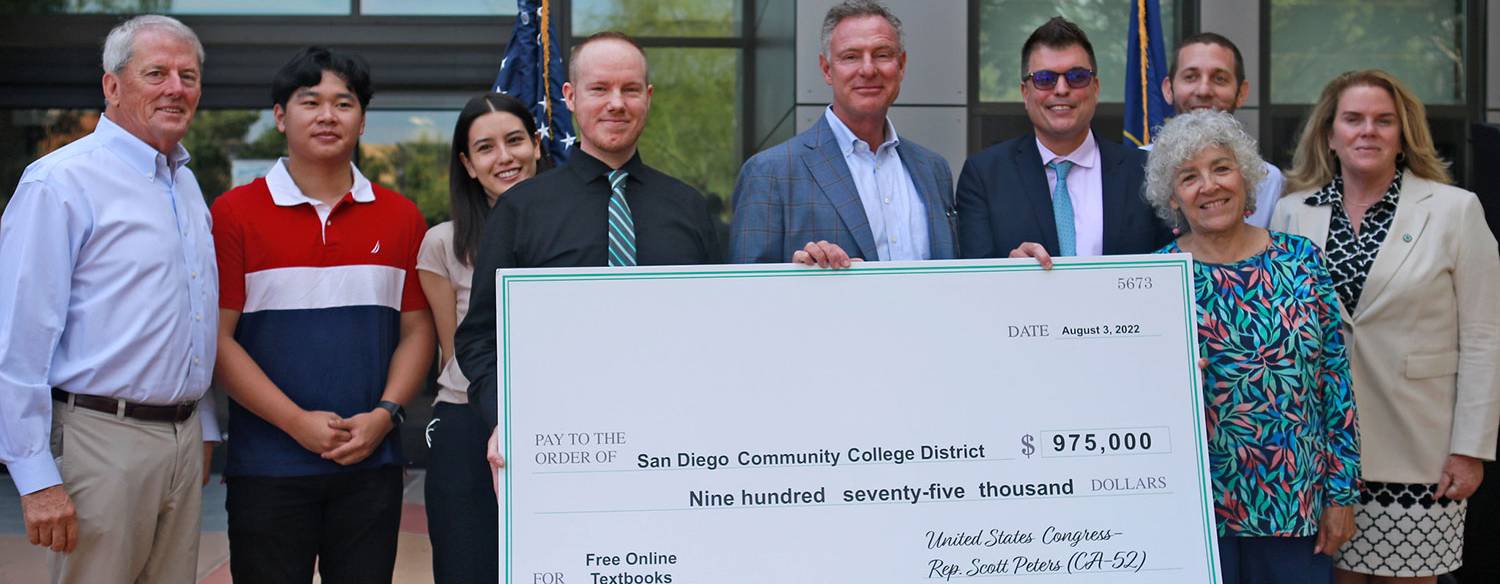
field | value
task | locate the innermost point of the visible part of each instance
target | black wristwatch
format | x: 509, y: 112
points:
x: 398, y: 414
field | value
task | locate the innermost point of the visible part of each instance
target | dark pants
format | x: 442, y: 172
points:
x: 1273, y: 560
x: 346, y: 522
x: 463, y: 519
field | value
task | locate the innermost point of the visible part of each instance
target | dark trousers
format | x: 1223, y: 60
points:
x: 463, y: 519
x: 346, y: 522
x: 1273, y: 560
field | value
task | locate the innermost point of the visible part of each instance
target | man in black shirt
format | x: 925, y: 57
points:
x: 604, y: 208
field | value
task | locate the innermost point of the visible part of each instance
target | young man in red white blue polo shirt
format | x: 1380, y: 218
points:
x: 323, y: 335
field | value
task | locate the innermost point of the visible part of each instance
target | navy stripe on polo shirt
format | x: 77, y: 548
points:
x: 320, y: 307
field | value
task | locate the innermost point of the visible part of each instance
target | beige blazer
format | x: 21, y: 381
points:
x: 1424, y: 342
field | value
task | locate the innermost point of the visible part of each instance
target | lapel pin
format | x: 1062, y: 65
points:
x: 1406, y: 237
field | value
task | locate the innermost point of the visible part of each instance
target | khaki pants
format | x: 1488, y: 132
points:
x: 137, y: 488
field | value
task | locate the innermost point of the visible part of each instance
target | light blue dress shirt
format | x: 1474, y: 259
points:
x: 108, y: 286
x: 1266, y: 195
x: 897, y: 216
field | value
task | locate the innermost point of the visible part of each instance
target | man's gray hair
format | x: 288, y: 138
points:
x: 853, y: 8
x: 1184, y: 137
x: 119, y: 46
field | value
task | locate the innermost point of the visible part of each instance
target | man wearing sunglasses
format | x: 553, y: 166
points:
x: 1209, y: 73
x: 1059, y: 190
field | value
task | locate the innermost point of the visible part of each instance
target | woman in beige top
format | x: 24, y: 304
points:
x: 494, y: 148
x: 1417, y: 273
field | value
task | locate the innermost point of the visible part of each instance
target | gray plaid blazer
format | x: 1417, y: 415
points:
x: 801, y: 190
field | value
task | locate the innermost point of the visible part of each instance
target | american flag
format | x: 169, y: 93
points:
x: 532, y: 71
x: 1145, y: 68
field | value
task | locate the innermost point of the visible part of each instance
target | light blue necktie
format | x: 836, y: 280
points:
x: 621, y: 224
x: 1062, y: 209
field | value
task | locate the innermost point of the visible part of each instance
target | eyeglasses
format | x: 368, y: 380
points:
x: 1045, y: 80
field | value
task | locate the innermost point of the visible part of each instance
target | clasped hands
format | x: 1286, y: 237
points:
x: 345, y: 441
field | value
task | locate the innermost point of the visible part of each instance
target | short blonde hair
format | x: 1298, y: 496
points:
x: 1314, y: 164
x: 1182, y: 138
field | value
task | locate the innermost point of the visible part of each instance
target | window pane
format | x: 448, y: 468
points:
x: 402, y: 150
x: 1419, y: 41
x: 405, y: 150
x: 694, y: 127
x: 408, y: 151
x: 232, y: 147
x: 26, y: 135
x: 668, y: 18
x: 183, y: 6
x: 439, y: 7
x: 229, y: 147
x: 1005, y: 24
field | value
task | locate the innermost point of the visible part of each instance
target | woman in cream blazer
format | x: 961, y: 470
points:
x: 1423, y: 332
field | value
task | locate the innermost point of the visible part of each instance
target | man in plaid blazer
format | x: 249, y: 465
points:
x: 848, y: 188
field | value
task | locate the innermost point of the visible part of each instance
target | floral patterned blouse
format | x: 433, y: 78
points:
x: 1283, y: 440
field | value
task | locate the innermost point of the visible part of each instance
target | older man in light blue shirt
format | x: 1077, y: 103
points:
x: 108, y: 317
x: 848, y: 188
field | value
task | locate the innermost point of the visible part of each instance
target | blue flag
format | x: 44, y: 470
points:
x: 532, y: 71
x: 1145, y: 68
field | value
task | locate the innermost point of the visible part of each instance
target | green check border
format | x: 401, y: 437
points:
x: 504, y: 280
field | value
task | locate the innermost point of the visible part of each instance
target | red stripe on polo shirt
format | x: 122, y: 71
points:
x: 254, y: 235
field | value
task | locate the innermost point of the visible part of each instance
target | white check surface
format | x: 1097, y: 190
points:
x: 897, y: 422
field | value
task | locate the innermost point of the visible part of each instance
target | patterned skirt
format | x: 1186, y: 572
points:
x: 1400, y: 530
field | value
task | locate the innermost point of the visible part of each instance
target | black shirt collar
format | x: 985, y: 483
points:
x: 1333, y: 192
x: 589, y: 168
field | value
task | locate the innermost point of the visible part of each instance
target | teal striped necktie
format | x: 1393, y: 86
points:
x: 1062, y: 209
x: 621, y: 224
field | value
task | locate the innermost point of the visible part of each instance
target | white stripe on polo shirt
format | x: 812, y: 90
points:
x: 305, y: 288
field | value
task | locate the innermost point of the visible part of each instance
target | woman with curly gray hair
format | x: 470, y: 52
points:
x: 1283, y: 443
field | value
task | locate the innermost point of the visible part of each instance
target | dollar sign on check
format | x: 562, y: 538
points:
x: 1027, y: 448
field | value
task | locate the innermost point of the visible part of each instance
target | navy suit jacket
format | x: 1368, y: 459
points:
x: 1004, y: 200
x: 801, y: 191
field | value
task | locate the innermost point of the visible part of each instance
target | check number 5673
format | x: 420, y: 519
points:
x: 1133, y: 283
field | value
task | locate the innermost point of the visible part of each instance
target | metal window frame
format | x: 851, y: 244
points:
x: 744, y: 42
x: 1187, y: 23
x: 52, y: 61
x: 1472, y: 110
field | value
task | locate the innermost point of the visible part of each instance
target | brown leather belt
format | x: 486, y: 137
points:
x: 112, y: 406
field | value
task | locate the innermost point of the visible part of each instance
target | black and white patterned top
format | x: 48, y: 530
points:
x: 1349, y: 255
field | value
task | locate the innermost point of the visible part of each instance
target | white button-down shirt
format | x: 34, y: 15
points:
x: 895, y: 210
x: 108, y: 287
x: 1085, y: 189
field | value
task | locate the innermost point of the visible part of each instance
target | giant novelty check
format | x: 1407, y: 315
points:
x: 895, y: 422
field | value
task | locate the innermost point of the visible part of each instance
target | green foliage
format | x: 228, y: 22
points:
x: 693, y: 131
x: 1419, y: 41
x: 217, y: 138
x: 26, y: 135
x: 666, y: 18
x: 415, y: 168
x: 694, y: 128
